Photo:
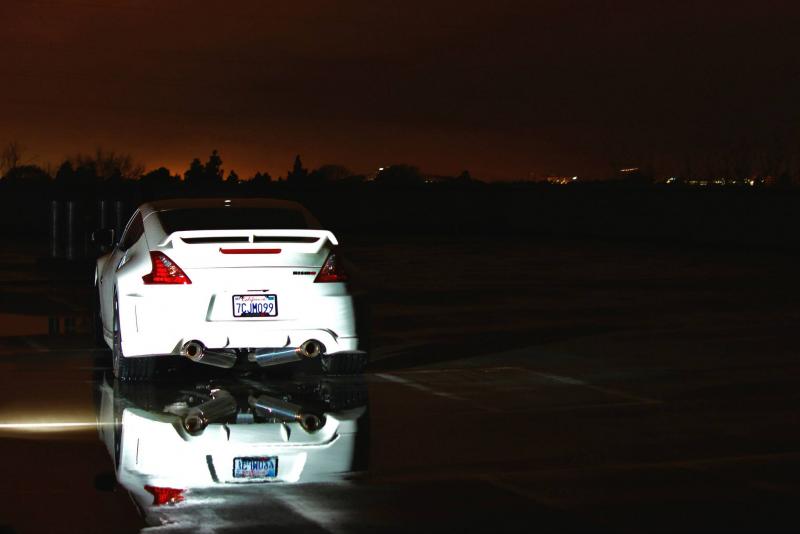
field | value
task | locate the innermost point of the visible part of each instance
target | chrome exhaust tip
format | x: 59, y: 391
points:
x: 193, y: 350
x: 198, y: 353
x: 310, y: 422
x: 311, y: 348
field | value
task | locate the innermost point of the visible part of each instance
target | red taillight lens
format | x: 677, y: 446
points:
x: 165, y: 271
x: 165, y: 495
x: 331, y: 270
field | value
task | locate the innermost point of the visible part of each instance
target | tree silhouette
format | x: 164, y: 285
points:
x: 260, y: 178
x: 329, y: 173
x: 65, y: 174
x: 10, y: 157
x: 194, y: 176
x: 464, y: 177
x: 27, y: 176
x: 158, y: 182
x: 159, y: 177
x: 206, y: 176
x: 107, y: 165
x: 232, y: 178
x: 213, y: 168
x: 298, y: 174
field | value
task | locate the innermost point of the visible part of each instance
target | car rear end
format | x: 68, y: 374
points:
x: 224, y: 281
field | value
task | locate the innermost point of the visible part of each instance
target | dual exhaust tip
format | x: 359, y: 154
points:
x: 198, y: 353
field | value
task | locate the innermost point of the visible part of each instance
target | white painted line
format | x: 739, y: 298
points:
x: 560, y: 379
x: 417, y: 386
x: 550, y: 377
x: 35, y: 345
x: 521, y: 492
x: 451, y: 370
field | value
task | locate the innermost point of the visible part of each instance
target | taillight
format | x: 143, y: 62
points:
x: 331, y: 270
x: 165, y: 271
x: 165, y: 495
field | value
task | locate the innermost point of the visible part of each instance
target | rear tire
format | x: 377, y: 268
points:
x: 343, y: 363
x: 128, y: 369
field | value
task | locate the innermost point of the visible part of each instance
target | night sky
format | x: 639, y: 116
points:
x: 504, y: 89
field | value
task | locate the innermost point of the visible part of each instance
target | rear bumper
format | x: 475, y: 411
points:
x: 154, y: 450
x: 155, y: 329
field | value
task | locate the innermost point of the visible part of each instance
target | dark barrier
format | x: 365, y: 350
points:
x: 72, y: 223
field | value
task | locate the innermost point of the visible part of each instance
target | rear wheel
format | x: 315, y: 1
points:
x: 343, y: 363
x: 128, y: 369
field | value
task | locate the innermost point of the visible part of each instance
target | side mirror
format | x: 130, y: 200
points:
x: 104, y: 238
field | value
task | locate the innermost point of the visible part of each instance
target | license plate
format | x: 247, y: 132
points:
x: 255, y: 305
x: 258, y: 467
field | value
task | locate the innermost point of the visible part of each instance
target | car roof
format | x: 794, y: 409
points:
x: 200, y: 203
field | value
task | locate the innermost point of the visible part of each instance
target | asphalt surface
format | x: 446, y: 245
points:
x: 514, y: 386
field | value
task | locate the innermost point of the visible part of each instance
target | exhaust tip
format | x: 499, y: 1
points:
x: 310, y: 422
x: 312, y: 348
x: 194, y: 424
x: 193, y: 350
x: 198, y: 353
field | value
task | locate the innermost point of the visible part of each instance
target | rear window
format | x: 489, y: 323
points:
x: 179, y: 220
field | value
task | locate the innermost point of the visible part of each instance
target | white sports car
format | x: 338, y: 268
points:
x: 222, y: 281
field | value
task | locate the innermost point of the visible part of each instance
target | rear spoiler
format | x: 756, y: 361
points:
x: 312, y: 244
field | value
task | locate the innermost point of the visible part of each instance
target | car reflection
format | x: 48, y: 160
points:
x: 168, y: 440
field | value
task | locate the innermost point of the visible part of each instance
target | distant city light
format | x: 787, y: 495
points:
x: 561, y: 180
x: 629, y: 169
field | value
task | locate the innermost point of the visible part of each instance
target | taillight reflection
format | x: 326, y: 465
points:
x: 163, y: 496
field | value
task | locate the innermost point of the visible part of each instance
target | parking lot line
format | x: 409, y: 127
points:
x: 608, y: 391
x: 415, y: 385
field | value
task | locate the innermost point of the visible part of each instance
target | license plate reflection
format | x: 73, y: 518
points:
x: 258, y: 467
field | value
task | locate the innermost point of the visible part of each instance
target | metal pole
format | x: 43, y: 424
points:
x: 55, y: 215
x: 118, y: 218
x: 71, y: 234
x: 103, y: 219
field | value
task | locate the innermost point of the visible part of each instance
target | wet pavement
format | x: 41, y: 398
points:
x: 642, y: 392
